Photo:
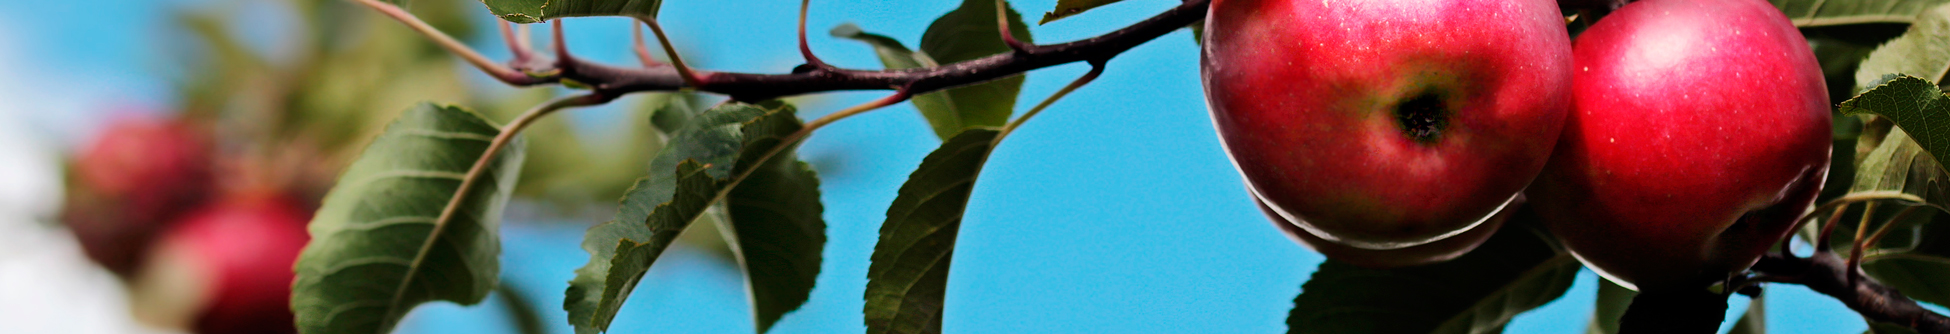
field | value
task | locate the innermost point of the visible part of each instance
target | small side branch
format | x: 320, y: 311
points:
x: 1828, y: 274
x: 615, y: 81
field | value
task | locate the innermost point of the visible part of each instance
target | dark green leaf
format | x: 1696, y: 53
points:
x: 1816, y: 13
x: 687, y: 177
x: 1479, y: 292
x: 1754, y: 321
x: 909, y: 274
x: 374, y: 254
x: 775, y: 216
x: 969, y: 33
x: 1612, y: 301
x: 1923, y: 52
x: 532, y: 11
x: 1067, y: 8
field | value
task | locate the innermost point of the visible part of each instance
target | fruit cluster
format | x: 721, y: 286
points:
x: 1667, y: 147
x: 148, y: 202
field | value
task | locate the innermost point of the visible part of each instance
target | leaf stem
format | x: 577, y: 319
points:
x: 748, y: 87
x: 452, y: 45
x: 1863, y: 244
x: 1096, y: 68
x: 683, y: 71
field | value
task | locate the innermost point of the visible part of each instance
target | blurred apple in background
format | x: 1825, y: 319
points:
x: 226, y: 267
x: 130, y: 181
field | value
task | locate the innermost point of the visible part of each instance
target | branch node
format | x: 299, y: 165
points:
x: 805, y: 49
x: 690, y: 77
x: 1009, y: 38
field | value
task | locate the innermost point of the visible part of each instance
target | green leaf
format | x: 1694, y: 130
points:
x: 1917, y: 275
x: 687, y: 178
x: 1068, y: 8
x: 775, y: 216
x: 532, y: 11
x: 892, y: 54
x: 1923, y: 51
x: 909, y: 273
x: 1915, y: 105
x: 1754, y: 321
x: 1611, y: 304
x: 520, y: 310
x: 1513, y: 272
x: 1901, y: 165
x: 969, y: 33
x: 374, y: 254
x: 1819, y: 13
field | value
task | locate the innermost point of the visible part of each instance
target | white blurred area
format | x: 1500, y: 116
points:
x: 46, y: 284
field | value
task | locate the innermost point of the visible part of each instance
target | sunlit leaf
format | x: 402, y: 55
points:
x: 909, y: 274
x: 1923, y: 52
x: 375, y: 253
x: 1900, y: 164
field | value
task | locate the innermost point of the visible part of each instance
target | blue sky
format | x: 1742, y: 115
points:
x: 1114, y: 211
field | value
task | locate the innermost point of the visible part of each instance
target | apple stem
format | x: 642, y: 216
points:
x: 1828, y: 274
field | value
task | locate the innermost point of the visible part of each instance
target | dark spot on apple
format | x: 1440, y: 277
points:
x: 1423, y: 117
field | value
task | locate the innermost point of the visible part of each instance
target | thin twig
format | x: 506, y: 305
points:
x: 1002, y: 20
x: 637, y: 45
x: 806, y: 131
x: 1863, y: 244
x: 473, y: 176
x: 1827, y: 274
x: 684, y: 72
x: 615, y: 81
x: 1828, y: 228
x: 805, y: 49
x: 452, y: 45
x: 1096, y: 68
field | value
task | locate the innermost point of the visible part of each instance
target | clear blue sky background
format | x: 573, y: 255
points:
x: 1113, y: 212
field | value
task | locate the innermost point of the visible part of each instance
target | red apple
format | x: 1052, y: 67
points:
x: 130, y: 181
x: 1434, y: 252
x: 226, y: 268
x: 1699, y: 131
x: 1387, y: 124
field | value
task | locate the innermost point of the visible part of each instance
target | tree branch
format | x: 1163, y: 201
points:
x: 1830, y: 275
x: 615, y: 81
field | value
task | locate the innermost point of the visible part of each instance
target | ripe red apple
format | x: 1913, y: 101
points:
x: 1433, y: 252
x: 130, y: 181
x: 1699, y: 131
x: 1387, y: 124
x: 226, y: 268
